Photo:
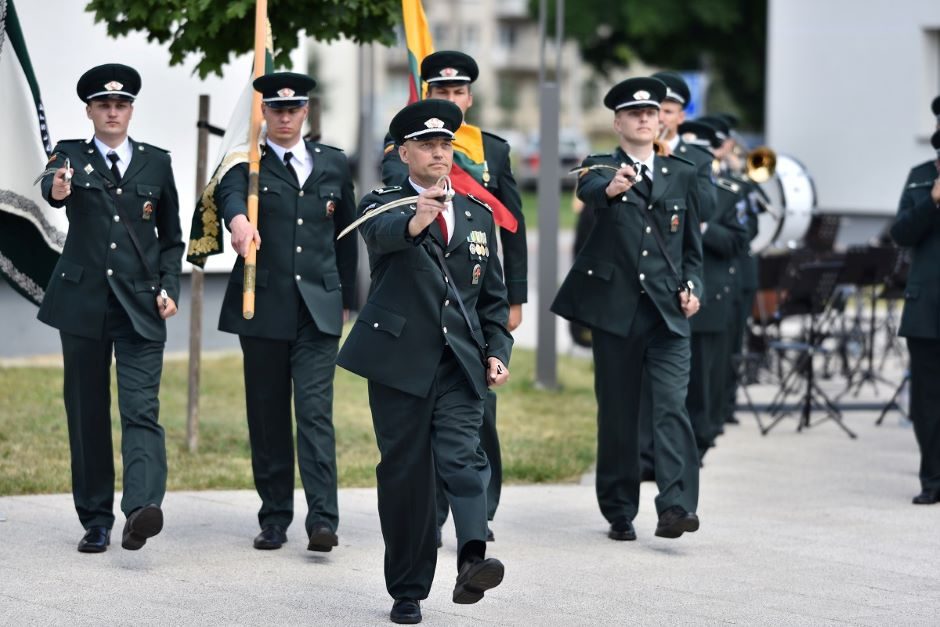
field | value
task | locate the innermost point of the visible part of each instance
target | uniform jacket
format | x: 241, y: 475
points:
x: 621, y: 257
x: 917, y: 226
x: 746, y: 263
x: 703, y: 173
x: 499, y: 181
x: 399, y: 337
x: 99, y: 255
x: 724, y: 239
x: 300, y: 260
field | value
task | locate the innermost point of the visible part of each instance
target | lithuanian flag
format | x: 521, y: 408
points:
x: 469, y: 159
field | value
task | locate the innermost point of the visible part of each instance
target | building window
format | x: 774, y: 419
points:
x: 471, y: 37
x: 508, y: 36
x: 441, y: 34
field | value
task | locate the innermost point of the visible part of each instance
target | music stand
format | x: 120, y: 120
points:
x: 809, y: 288
x: 867, y: 266
x: 894, y: 287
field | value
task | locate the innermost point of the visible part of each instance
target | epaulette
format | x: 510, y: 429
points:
x: 389, y: 147
x: 328, y: 146
x: 480, y: 202
x: 727, y: 184
x: 145, y: 145
x: 71, y: 141
x: 386, y: 190
x: 682, y: 159
x: 494, y: 136
x: 600, y: 155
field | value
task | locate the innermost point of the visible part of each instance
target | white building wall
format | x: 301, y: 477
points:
x: 849, y: 85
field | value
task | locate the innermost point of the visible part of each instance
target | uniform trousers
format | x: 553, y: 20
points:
x: 417, y: 437
x: 273, y: 370
x: 650, y: 350
x: 707, y: 399
x: 489, y: 440
x: 925, y: 407
x: 87, y: 394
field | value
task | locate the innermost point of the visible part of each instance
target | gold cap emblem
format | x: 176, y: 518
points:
x: 113, y: 86
x: 287, y: 92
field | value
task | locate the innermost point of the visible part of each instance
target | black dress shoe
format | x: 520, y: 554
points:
x: 927, y: 497
x: 622, y: 530
x: 95, y: 540
x: 405, y: 612
x: 270, y: 538
x: 322, y: 539
x: 440, y: 541
x: 675, y: 521
x: 489, y: 535
x: 144, y: 522
x: 475, y: 577
x: 732, y: 420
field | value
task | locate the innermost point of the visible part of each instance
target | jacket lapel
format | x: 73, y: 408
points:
x: 319, y: 164
x: 97, y: 162
x: 275, y: 166
x: 139, y: 158
x: 462, y: 220
x: 662, y: 179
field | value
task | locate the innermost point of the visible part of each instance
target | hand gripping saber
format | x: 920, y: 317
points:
x: 443, y: 182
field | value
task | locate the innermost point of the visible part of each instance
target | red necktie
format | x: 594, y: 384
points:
x: 443, y: 224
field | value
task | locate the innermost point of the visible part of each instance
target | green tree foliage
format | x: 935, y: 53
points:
x: 727, y: 38
x: 215, y: 31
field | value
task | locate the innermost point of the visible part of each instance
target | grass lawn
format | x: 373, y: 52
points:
x: 530, y: 209
x: 546, y: 436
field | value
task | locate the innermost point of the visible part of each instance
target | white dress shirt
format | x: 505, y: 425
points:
x: 124, y: 153
x: 648, y: 163
x: 300, y: 159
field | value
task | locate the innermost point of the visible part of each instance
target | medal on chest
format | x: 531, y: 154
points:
x: 674, y: 223
x: 478, y: 245
x: 475, y: 277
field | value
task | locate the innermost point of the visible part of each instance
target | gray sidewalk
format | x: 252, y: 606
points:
x: 809, y: 528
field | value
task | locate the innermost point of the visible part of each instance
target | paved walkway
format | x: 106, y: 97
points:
x: 809, y: 528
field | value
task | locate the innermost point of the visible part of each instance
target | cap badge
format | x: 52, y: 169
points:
x: 449, y: 72
x: 641, y: 95
x: 113, y: 86
x: 287, y: 92
x: 434, y: 123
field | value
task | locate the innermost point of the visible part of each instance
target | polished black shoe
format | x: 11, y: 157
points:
x: 927, y: 497
x: 732, y: 420
x: 622, y: 530
x: 95, y: 540
x: 405, y: 612
x: 675, y: 521
x: 322, y: 539
x: 475, y: 577
x: 440, y: 540
x: 144, y: 522
x: 270, y: 538
x: 489, y: 535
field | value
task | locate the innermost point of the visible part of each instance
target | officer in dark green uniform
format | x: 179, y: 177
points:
x: 431, y: 338
x: 449, y: 75
x: 671, y: 115
x: 745, y: 263
x: 305, y: 283
x: 114, y: 286
x: 723, y: 237
x: 917, y: 226
x: 634, y: 284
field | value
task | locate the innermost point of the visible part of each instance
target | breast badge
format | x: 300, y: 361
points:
x: 477, y: 271
x: 147, y: 211
x: 330, y: 207
x: 674, y: 223
x: 477, y: 246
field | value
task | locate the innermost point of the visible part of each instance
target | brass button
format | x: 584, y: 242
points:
x: 447, y: 303
x: 642, y: 276
x: 647, y: 229
x: 375, y: 325
x: 646, y: 252
x: 296, y: 277
x: 731, y: 270
x: 299, y: 249
x: 624, y: 198
x: 445, y: 329
x: 590, y: 272
x: 650, y: 207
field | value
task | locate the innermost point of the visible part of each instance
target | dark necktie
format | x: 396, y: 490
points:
x: 645, y: 187
x: 443, y: 224
x: 113, y: 158
x: 290, y: 168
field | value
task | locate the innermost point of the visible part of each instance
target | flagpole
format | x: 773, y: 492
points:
x: 254, y: 160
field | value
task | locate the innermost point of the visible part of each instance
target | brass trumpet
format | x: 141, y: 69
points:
x: 760, y: 164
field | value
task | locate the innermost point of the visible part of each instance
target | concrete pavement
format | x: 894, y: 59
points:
x: 809, y: 528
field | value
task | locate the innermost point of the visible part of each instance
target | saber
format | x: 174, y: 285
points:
x: 581, y: 171
x: 443, y: 182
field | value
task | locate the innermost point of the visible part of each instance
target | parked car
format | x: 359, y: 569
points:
x: 573, y: 147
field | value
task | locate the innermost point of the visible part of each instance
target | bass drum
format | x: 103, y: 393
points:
x: 789, y: 211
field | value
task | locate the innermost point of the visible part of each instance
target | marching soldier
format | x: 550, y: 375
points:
x: 723, y: 237
x: 916, y: 226
x: 436, y: 317
x: 449, y: 76
x: 305, y: 284
x: 114, y: 286
x: 635, y: 283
